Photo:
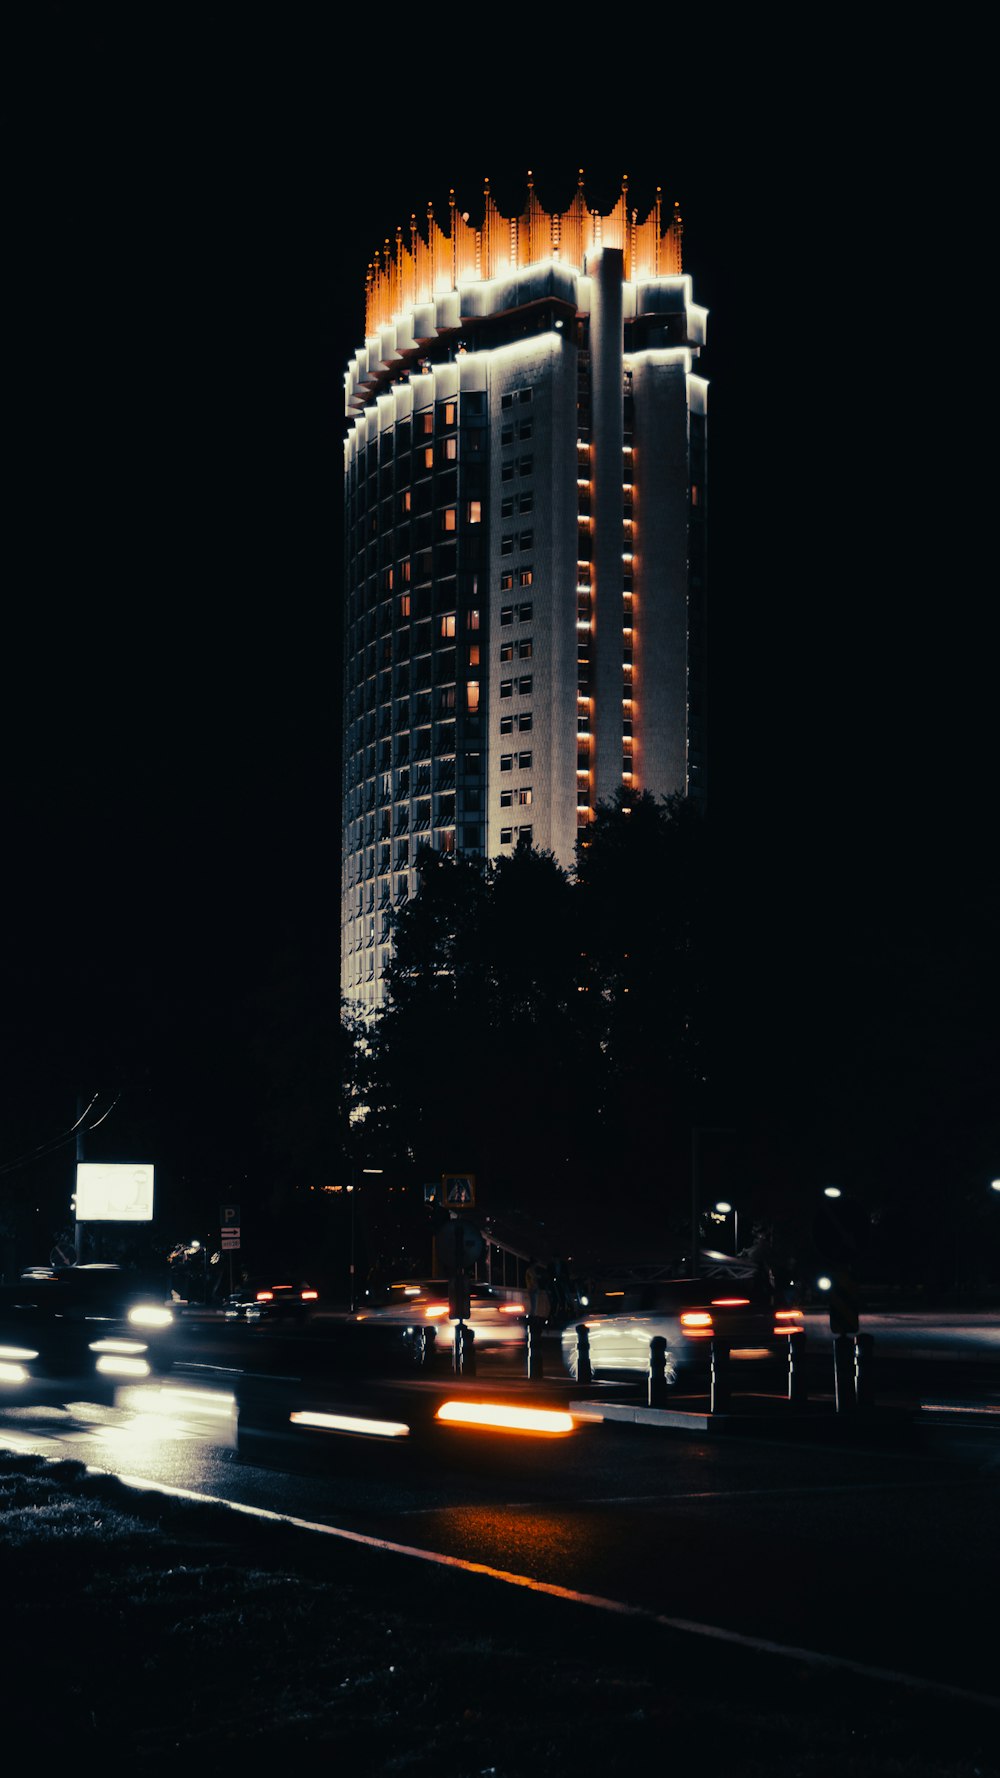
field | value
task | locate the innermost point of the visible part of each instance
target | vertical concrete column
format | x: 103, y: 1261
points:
x: 606, y: 345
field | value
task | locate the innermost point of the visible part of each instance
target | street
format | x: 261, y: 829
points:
x: 878, y: 1553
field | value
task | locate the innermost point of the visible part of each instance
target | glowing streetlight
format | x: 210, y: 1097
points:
x: 724, y: 1208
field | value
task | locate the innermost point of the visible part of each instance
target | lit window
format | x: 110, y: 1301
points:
x: 428, y: 456
x: 448, y: 624
x: 524, y: 649
x: 450, y: 413
x: 425, y: 424
x: 472, y: 694
x: 474, y: 654
x: 472, y: 619
x: 451, y: 449
x: 526, y: 576
x: 506, y: 581
x: 506, y: 651
x: 405, y: 500
x: 404, y: 604
x: 449, y: 519
x: 524, y: 796
x: 474, y: 512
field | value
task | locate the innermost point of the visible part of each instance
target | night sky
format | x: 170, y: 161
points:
x: 196, y: 196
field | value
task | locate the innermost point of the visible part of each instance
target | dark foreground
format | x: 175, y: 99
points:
x: 140, y: 1626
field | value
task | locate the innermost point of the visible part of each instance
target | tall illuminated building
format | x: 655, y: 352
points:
x: 524, y: 477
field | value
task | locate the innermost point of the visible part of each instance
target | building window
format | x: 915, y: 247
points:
x: 524, y: 395
x: 451, y: 413
x: 506, y: 799
x: 506, y: 836
x: 472, y: 694
x: 526, y: 834
x: 527, y: 465
x: 506, y: 651
x: 404, y: 604
x: 524, y: 796
x: 524, y: 649
x: 526, y: 577
x: 524, y: 684
x: 506, y: 615
x: 472, y: 620
x: 525, y: 429
x: 526, y: 503
x: 448, y: 624
x: 524, y: 722
x: 507, y: 435
x: 506, y: 725
x: 524, y: 761
x: 506, y: 688
x: 507, y: 506
x: 428, y: 456
x: 507, y: 400
x: 527, y: 539
x: 506, y: 581
x: 506, y: 762
x: 451, y: 450
x: 449, y: 519
x: 425, y: 424
x: 474, y: 512
x: 474, y: 654
x: 506, y: 546
x: 507, y: 472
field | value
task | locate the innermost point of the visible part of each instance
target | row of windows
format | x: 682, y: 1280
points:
x: 522, y: 722
x: 523, y: 612
x: 523, y: 686
x: 523, y: 649
x: 508, y: 433
x: 525, y: 503
x: 515, y: 467
x: 507, y: 761
x: 526, y: 540
x: 525, y: 577
x: 521, y: 797
x: 521, y: 396
x: 523, y: 833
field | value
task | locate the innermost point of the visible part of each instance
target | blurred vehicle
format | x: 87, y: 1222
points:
x: 258, y: 1299
x: 414, y: 1305
x: 688, y: 1313
x: 92, y: 1326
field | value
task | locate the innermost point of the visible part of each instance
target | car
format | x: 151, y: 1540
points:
x: 63, y: 1328
x: 260, y: 1299
x: 415, y: 1305
x: 622, y: 1319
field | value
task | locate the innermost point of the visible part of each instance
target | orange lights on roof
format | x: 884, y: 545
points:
x: 495, y: 1416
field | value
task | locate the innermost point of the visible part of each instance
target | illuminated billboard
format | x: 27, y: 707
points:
x: 109, y: 1192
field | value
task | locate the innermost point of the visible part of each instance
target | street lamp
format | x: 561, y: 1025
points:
x: 354, y: 1188
x: 724, y: 1208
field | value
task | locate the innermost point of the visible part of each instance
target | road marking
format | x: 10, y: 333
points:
x: 686, y: 1626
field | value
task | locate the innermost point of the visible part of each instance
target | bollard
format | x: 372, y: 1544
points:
x: 845, y: 1398
x: 421, y: 1346
x: 584, y: 1368
x: 720, y: 1391
x: 533, y: 1346
x: 657, y: 1390
x: 798, y: 1382
x: 864, y: 1375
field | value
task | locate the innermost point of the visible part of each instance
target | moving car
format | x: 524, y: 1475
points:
x: 67, y: 1328
x: 688, y: 1313
x: 414, y: 1305
x: 258, y: 1299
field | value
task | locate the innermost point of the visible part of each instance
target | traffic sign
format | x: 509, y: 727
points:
x: 458, y: 1244
x: 458, y: 1189
x: 229, y: 1216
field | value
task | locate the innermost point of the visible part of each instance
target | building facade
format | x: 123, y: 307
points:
x: 525, y: 481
